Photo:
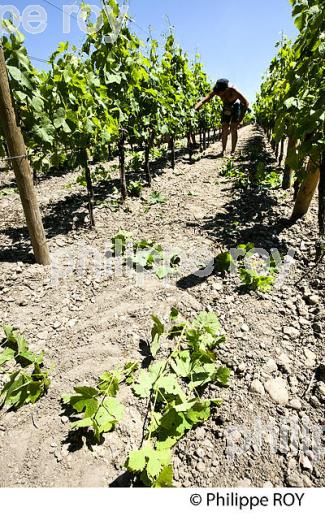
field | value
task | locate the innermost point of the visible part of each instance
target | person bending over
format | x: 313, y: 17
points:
x: 235, y: 106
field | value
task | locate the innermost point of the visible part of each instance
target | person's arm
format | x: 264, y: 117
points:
x: 242, y: 98
x: 244, y: 101
x: 205, y: 100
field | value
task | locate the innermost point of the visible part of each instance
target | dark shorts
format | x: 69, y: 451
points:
x: 232, y: 114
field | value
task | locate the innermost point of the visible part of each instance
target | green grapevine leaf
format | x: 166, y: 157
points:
x: 223, y: 374
x: 156, y: 198
x: 6, y: 355
x: 163, y: 271
x: 165, y: 478
x: 84, y: 400
x: 157, y: 331
x: 110, y: 383
x: 153, y: 466
x: 174, y: 314
x: 136, y: 461
x: 23, y: 387
x: 129, y: 370
x: 207, y: 321
x: 181, y: 363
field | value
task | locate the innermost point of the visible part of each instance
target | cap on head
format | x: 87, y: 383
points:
x: 221, y: 85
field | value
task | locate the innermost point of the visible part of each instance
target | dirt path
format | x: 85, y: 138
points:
x: 91, y: 322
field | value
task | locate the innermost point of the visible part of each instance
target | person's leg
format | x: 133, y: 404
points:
x: 225, y: 133
x: 234, y: 126
x: 237, y: 113
x: 234, y: 136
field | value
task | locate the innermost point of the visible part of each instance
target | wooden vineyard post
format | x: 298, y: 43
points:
x: 189, y: 144
x: 172, y: 151
x: 190, y: 154
x: 147, y: 163
x: 321, y: 191
x: 287, y: 177
x: 190, y: 135
x: 90, y: 189
x: 204, y: 139
x: 281, y: 151
x: 121, y: 147
x: 306, y: 191
x: 17, y: 152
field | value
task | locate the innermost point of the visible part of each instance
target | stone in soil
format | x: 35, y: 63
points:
x: 295, y: 404
x: 257, y: 387
x: 277, y: 389
x: 270, y: 366
x: 294, y: 480
x: 310, y: 360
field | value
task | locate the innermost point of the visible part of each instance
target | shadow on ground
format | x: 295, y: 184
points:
x: 249, y: 216
x: 71, y: 213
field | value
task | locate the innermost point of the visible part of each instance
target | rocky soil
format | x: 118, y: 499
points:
x: 268, y: 431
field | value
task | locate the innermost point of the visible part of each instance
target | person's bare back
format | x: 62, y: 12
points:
x: 230, y: 95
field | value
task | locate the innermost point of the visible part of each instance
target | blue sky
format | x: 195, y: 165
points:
x: 235, y: 38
